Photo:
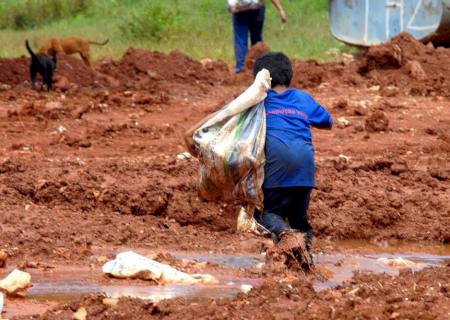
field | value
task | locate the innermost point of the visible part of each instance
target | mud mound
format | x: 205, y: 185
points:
x: 254, y: 53
x: 76, y: 71
x: 403, y: 64
x: 311, y: 74
x: 138, y: 69
x: 16, y: 70
x: 145, y: 68
x: 166, y: 193
x: 396, y: 53
x: 409, y: 65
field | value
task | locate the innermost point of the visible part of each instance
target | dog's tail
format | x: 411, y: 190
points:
x: 99, y: 43
x: 32, y: 54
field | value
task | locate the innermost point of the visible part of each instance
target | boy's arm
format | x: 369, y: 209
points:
x: 280, y: 9
x: 189, y: 135
x: 320, y: 117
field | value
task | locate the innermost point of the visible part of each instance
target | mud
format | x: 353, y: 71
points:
x: 236, y: 274
x: 361, y: 296
x: 254, y: 53
x: 92, y: 168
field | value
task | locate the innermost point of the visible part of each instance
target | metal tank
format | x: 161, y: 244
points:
x: 370, y: 22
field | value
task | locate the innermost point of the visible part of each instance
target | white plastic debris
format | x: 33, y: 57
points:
x: 16, y: 281
x: 343, y: 121
x: 184, y: 156
x: 81, y: 314
x: 61, y: 129
x: 260, y: 266
x: 246, y: 288
x: 344, y: 158
x: 2, y: 301
x: 246, y: 222
x: 132, y: 265
x: 397, y: 262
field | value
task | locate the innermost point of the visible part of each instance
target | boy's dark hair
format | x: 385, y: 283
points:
x: 279, y: 66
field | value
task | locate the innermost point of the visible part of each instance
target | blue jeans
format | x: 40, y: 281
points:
x: 288, y: 203
x: 244, y: 22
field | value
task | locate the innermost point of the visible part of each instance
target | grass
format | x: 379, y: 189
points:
x: 200, y: 28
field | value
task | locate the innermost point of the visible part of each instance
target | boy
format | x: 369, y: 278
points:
x: 289, y: 172
x: 290, y: 168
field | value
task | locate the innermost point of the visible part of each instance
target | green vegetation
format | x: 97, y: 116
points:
x: 151, y: 21
x: 20, y: 15
x: 201, y: 28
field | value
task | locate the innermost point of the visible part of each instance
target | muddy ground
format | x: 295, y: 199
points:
x: 92, y: 168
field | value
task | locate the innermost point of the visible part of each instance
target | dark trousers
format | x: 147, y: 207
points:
x: 286, y: 209
x: 244, y: 22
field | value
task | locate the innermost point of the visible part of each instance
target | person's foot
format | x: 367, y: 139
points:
x: 293, y: 245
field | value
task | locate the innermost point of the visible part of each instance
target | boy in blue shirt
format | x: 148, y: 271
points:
x: 290, y: 167
x: 289, y: 172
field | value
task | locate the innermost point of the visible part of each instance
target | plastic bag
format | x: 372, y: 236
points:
x: 244, y: 5
x: 231, y: 147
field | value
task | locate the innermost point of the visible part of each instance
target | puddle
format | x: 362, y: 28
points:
x: 67, y: 290
x: 364, y: 257
x: 397, y: 248
x: 53, y: 289
x: 225, y: 260
x: 344, y: 265
x: 63, y: 285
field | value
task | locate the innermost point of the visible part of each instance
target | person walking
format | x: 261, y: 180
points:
x: 248, y: 17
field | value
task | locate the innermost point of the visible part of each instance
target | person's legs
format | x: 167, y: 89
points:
x: 256, y: 24
x: 240, y: 28
x: 298, y: 215
x: 273, y: 217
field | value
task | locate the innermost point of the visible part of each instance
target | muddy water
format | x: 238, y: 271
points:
x: 225, y: 260
x: 65, y: 291
x: 64, y: 285
x: 343, y: 266
x: 61, y: 287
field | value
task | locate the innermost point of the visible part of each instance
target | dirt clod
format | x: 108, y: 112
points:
x: 377, y: 122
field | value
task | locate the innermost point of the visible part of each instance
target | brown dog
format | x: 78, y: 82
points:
x: 70, y: 45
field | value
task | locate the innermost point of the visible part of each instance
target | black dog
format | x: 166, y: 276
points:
x: 42, y: 64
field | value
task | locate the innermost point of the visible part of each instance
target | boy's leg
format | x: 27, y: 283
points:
x: 273, y: 218
x: 240, y: 28
x: 298, y: 216
x: 256, y: 25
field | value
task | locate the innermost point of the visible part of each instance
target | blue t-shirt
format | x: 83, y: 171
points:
x: 289, y: 149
